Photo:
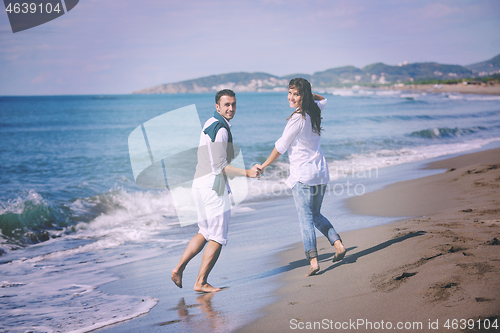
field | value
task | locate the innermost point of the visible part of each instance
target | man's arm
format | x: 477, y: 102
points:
x: 232, y: 171
x: 219, y: 153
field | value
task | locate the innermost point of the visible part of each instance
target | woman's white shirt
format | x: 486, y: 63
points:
x: 307, y: 163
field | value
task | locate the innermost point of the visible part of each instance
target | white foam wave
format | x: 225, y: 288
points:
x: 56, y: 288
x: 363, y: 92
x: 7, y: 284
x: 388, y: 92
x: 468, y: 97
x: 483, y: 98
x: 342, y: 92
x: 412, y: 96
x: 455, y: 96
x: 143, y: 307
x: 138, y: 203
x: 17, y: 205
x: 62, y: 296
x: 360, y: 163
x: 128, y: 217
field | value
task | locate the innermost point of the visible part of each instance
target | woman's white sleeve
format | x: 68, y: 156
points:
x: 321, y: 104
x: 292, y: 128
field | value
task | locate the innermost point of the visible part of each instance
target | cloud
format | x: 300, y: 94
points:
x: 95, y: 68
x: 438, y: 11
x: 123, y: 45
x: 41, y: 78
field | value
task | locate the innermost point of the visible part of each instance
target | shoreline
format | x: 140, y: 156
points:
x: 475, y: 89
x: 443, y: 265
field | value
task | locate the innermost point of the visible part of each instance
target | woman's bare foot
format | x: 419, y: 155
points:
x: 340, y: 250
x: 177, y: 278
x: 205, y: 288
x: 313, y: 270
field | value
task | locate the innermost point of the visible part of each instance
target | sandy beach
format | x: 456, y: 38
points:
x: 438, y: 271
x: 105, y: 248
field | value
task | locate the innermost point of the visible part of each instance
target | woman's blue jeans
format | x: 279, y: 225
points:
x: 308, y: 200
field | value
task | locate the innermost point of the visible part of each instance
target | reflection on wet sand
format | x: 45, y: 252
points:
x: 214, y: 319
x: 189, y: 319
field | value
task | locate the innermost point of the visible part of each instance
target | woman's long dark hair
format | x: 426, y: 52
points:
x: 308, y: 104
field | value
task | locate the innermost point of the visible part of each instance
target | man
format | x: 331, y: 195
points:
x: 211, y: 191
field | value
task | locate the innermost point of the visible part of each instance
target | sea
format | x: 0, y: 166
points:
x: 71, y: 211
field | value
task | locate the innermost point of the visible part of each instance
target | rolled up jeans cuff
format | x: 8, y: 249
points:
x: 311, y: 254
x: 333, y: 236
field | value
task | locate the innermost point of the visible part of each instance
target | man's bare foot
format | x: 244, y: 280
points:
x: 177, y: 279
x: 205, y: 288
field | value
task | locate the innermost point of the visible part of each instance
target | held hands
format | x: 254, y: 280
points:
x: 261, y: 168
x: 254, y: 172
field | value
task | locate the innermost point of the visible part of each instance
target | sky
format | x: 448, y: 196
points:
x: 119, y: 46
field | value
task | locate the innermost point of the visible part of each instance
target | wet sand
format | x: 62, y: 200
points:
x: 441, y: 266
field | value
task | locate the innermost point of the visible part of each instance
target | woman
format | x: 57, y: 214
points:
x: 308, y: 168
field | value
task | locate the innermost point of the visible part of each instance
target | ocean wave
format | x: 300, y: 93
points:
x: 388, y: 92
x: 56, y: 282
x: 431, y: 117
x: 370, y: 162
x: 342, y: 92
x: 472, y: 97
x: 30, y: 219
x: 445, y: 132
x: 412, y: 96
x: 357, y: 165
x: 407, y: 96
x: 111, y: 218
x: 381, y: 119
x: 135, y: 203
x: 483, y: 98
x: 126, y: 217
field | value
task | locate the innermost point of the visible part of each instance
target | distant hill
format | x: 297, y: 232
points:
x: 488, y: 67
x: 418, y: 71
x: 237, y: 81
x: 377, y: 73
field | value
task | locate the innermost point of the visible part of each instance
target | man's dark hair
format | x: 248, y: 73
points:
x: 224, y: 92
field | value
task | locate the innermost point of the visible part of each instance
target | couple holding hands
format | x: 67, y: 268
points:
x: 308, y: 180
